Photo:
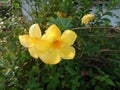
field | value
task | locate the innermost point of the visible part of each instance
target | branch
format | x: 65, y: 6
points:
x: 107, y: 50
x: 93, y: 59
x: 109, y: 59
x: 108, y: 36
x: 36, y: 10
x: 101, y: 28
x: 49, y: 8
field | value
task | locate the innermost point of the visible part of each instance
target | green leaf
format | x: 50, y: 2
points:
x: 118, y: 84
x: 93, y: 81
x: 98, y: 87
x: 62, y: 23
x: 91, y: 73
x: 109, y: 81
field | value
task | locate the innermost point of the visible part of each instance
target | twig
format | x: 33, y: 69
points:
x: 49, y: 8
x: 101, y: 28
x: 108, y: 36
x: 107, y: 50
x: 109, y: 59
x: 93, y: 59
x: 36, y: 8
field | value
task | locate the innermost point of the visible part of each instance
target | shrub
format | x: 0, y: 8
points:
x: 97, y: 61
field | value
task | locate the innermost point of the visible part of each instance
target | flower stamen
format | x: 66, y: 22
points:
x: 56, y: 44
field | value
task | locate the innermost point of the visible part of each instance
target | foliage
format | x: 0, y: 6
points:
x: 97, y: 61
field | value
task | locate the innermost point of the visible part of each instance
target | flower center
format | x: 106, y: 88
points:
x: 34, y: 41
x: 56, y: 44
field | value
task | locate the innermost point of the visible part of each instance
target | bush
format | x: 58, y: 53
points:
x: 97, y: 61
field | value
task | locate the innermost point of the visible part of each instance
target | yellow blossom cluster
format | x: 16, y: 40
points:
x: 50, y: 47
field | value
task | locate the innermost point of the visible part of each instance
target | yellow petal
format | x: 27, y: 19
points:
x: 53, y: 33
x: 33, y: 52
x: 35, y: 31
x: 87, y: 18
x: 67, y: 52
x: 85, y: 21
x: 42, y: 45
x: 68, y: 37
x: 50, y: 57
x: 44, y: 36
x: 25, y: 40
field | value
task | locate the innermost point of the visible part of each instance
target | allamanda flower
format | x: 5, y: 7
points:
x: 61, y: 45
x: 63, y: 15
x: 87, y: 18
x: 35, y: 44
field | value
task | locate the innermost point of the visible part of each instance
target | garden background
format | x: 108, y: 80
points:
x: 96, y: 65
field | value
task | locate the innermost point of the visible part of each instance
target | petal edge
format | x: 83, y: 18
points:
x: 24, y: 40
x: 67, y: 52
x: 35, y: 31
x: 53, y: 33
x: 68, y: 37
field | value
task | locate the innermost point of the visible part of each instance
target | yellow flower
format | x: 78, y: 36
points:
x: 61, y: 45
x: 50, y: 47
x: 61, y: 14
x: 87, y: 18
x: 35, y: 44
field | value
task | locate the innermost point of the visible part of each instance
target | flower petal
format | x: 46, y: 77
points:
x: 87, y: 18
x: 68, y: 37
x: 42, y: 45
x: 85, y: 21
x: 25, y: 40
x: 35, y: 31
x: 50, y: 57
x: 67, y: 52
x: 33, y: 52
x: 53, y: 33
